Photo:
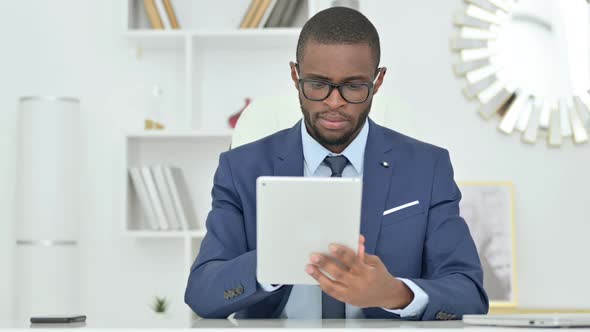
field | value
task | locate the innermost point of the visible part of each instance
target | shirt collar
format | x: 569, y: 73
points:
x: 314, y: 153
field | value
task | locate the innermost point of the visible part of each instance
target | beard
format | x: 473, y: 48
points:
x: 333, y: 140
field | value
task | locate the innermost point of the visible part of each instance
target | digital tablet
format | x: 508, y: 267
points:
x: 298, y: 216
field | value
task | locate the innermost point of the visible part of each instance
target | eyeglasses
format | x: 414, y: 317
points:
x: 354, y: 93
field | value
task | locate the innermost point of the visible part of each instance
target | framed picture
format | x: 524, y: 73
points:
x: 488, y: 209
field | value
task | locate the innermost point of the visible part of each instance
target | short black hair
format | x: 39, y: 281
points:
x: 339, y: 25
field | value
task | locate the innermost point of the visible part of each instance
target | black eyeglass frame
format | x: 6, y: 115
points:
x: 338, y: 86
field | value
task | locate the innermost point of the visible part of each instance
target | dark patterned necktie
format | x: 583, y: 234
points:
x: 332, y: 308
x: 336, y: 164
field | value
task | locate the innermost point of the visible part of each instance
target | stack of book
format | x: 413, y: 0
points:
x: 271, y: 13
x: 164, y: 197
x: 161, y: 14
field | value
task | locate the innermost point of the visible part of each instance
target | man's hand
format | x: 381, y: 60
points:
x: 361, y: 280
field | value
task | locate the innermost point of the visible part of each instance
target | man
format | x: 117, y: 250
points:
x: 416, y: 258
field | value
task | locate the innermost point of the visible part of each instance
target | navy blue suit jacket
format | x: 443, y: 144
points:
x: 428, y: 243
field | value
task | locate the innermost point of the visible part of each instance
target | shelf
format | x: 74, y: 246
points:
x: 231, y: 33
x: 236, y: 38
x: 227, y: 134
x: 247, y: 38
x: 157, y: 39
x: 147, y: 234
x: 195, y: 152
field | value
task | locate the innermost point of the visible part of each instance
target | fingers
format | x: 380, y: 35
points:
x: 362, y: 255
x: 372, y: 260
x: 329, y: 265
x: 344, y: 259
x: 361, y: 251
x: 344, y: 255
x: 333, y: 288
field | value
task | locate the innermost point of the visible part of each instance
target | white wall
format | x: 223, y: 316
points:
x: 69, y: 47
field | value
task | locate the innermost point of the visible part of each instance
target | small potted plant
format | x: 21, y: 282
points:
x: 160, y: 306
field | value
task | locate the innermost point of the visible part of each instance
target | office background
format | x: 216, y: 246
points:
x: 77, y: 48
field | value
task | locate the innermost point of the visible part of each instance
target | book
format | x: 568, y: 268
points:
x: 267, y: 13
x: 152, y: 191
x: 300, y: 15
x: 166, y: 197
x: 181, y: 198
x: 171, y: 14
x: 289, y: 15
x: 163, y: 15
x: 277, y: 12
x: 144, y: 200
x: 250, y: 14
x: 259, y: 13
x: 152, y: 13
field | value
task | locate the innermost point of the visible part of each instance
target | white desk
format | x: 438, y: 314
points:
x: 326, y: 323
x: 281, y: 324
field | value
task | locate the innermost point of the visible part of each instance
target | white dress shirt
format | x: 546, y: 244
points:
x: 305, y: 301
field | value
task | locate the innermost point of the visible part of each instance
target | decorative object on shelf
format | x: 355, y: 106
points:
x: 233, y: 119
x: 488, y: 209
x: 155, y: 117
x: 150, y: 124
x: 160, y: 305
x: 47, y: 201
x: 527, y: 62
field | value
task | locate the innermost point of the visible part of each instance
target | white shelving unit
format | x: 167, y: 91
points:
x: 216, y: 66
x: 196, y: 152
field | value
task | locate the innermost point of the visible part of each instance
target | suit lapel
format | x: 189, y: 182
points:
x: 376, y: 183
x: 289, y: 153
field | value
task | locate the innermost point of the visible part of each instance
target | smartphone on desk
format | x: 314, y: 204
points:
x: 58, y: 319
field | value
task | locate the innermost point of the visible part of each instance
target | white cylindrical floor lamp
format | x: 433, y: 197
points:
x: 47, y: 207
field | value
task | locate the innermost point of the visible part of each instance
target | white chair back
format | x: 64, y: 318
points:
x: 266, y: 116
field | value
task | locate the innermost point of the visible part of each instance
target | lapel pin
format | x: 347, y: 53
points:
x: 385, y: 164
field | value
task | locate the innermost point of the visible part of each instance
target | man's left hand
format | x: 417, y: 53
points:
x: 360, y: 279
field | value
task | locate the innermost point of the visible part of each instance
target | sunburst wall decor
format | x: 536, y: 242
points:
x: 520, y: 107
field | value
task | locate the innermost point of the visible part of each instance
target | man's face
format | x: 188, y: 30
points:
x: 334, y: 122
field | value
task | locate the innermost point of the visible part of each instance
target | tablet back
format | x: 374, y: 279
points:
x: 298, y: 216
